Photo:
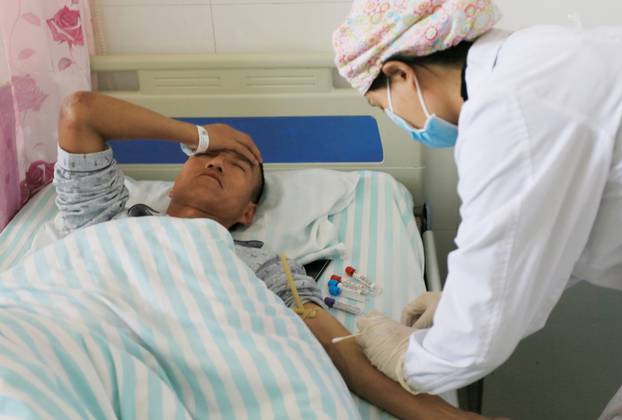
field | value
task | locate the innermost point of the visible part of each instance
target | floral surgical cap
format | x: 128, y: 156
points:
x: 376, y: 30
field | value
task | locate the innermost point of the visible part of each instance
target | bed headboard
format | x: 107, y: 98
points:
x: 231, y: 86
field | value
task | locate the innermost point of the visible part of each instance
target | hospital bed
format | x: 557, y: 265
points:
x: 302, y: 117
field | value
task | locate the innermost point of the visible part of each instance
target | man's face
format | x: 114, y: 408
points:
x: 218, y: 185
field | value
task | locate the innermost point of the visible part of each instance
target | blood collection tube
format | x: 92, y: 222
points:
x: 355, y: 288
x: 335, y: 290
x: 368, y: 284
x: 351, y: 271
x: 347, y: 284
x: 333, y: 303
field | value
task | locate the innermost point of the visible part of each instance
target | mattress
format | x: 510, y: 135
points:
x: 378, y: 229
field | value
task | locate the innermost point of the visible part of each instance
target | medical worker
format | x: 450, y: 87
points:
x: 535, y: 116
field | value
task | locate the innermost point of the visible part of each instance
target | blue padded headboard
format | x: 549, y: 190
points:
x: 303, y: 139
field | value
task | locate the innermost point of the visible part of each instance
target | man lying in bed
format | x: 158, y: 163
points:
x: 224, y: 184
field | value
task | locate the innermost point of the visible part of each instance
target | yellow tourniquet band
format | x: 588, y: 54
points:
x: 298, y: 308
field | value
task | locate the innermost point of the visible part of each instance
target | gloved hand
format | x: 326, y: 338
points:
x: 385, y: 342
x: 420, y: 312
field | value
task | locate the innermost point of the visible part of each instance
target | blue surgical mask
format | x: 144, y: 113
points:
x: 435, y: 133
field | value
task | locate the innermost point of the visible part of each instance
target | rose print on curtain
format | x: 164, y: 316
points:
x: 46, y: 44
x: 65, y: 27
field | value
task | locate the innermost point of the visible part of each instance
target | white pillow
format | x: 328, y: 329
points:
x: 292, y: 217
x: 152, y: 193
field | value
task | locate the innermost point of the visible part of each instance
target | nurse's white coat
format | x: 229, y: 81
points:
x: 539, y: 159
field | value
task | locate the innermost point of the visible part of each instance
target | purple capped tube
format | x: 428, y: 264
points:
x: 334, y: 303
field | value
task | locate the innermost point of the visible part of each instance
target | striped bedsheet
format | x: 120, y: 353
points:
x: 155, y: 318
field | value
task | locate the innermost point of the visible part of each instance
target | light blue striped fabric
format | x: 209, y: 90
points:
x: 17, y: 236
x: 378, y: 229
x: 155, y: 318
x: 382, y: 242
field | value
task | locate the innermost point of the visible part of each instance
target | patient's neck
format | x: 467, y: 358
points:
x: 187, y: 212
x: 177, y: 209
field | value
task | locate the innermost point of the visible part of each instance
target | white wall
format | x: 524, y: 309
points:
x: 170, y: 26
x: 519, y: 14
x: 570, y: 369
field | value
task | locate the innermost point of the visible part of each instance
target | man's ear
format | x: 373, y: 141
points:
x: 248, y: 215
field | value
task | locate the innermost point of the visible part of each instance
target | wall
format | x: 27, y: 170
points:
x: 185, y: 26
x: 568, y: 370
x: 519, y: 14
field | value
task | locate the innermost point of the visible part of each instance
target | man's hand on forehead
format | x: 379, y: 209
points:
x: 224, y: 137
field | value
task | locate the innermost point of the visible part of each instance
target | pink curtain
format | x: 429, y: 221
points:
x: 46, y: 44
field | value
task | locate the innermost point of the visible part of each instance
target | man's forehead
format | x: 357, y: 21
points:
x: 235, y: 154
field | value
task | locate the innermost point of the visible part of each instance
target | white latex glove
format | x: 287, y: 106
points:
x: 385, y: 342
x: 420, y: 312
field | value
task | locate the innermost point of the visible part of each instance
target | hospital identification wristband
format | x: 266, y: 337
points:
x: 203, y: 143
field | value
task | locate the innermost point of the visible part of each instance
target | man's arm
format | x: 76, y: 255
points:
x: 88, y: 119
x: 357, y: 371
x: 369, y: 383
x: 88, y: 183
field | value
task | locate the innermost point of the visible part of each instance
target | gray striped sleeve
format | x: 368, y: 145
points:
x: 273, y: 275
x: 267, y: 266
x: 89, y: 188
